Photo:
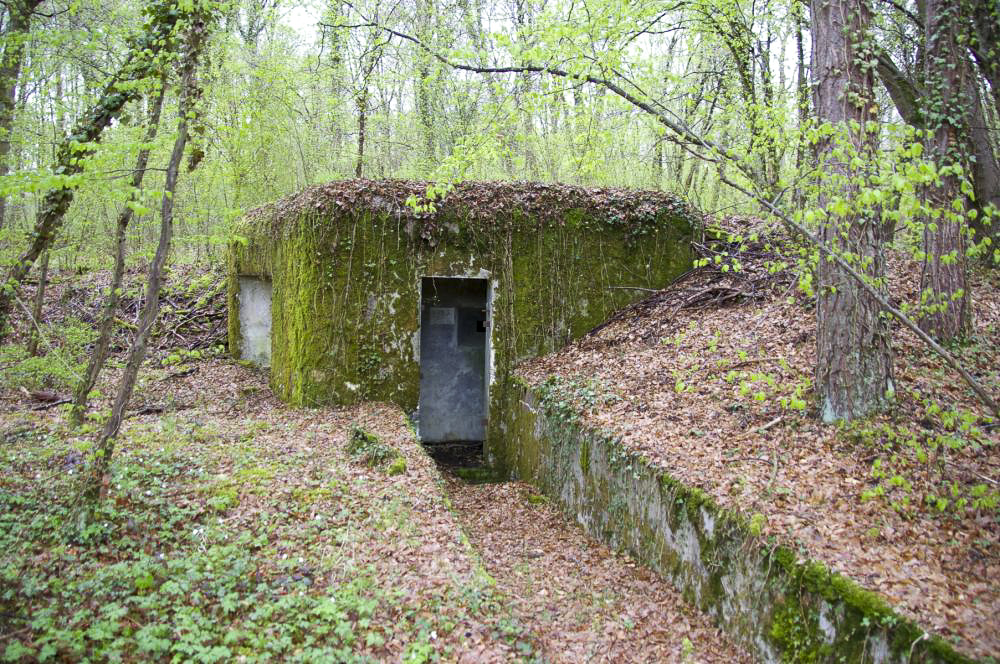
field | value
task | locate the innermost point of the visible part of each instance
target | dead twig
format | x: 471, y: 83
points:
x: 51, y: 404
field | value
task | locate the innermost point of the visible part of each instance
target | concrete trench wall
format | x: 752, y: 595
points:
x: 780, y: 608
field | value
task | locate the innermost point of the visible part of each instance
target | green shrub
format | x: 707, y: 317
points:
x: 366, y: 447
x: 66, y: 349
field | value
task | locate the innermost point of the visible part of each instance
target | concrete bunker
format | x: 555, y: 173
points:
x: 362, y: 273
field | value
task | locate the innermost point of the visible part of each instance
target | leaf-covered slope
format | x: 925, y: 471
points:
x: 720, y: 396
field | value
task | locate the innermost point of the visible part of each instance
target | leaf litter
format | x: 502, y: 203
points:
x: 720, y: 396
x: 584, y: 602
x: 240, y: 528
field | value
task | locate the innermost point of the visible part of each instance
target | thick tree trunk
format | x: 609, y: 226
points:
x: 425, y: 17
x: 15, y: 38
x: 944, y: 292
x: 107, y: 324
x: 985, y: 169
x: 854, y: 356
x: 120, y: 91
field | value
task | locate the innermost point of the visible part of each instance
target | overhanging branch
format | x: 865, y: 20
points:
x: 682, y: 131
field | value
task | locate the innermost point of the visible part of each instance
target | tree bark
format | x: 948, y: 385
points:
x: 100, y: 471
x: 36, y: 309
x: 117, y: 93
x: 983, y: 19
x: 944, y: 291
x: 362, y: 121
x: 853, y: 353
x: 906, y: 97
x: 15, y: 38
x: 985, y: 170
x: 425, y: 13
x: 107, y: 325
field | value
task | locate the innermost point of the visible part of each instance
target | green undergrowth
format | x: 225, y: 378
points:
x: 367, y: 448
x: 62, y: 356
x: 219, y: 545
x: 914, y: 460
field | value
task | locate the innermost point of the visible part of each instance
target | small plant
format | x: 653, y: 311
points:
x: 910, y: 467
x: 365, y: 447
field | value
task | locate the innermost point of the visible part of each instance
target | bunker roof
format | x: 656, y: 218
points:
x: 480, y: 204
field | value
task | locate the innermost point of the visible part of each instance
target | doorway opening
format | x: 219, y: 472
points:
x: 454, y: 367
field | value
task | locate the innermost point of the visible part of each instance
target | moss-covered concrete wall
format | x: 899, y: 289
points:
x: 781, y: 608
x: 345, y: 262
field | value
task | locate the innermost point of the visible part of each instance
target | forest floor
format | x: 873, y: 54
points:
x: 584, y: 602
x: 906, y: 503
x: 236, y: 526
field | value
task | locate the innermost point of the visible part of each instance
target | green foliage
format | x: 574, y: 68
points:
x: 158, y: 575
x: 912, y: 468
x: 367, y: 448
x: 568, y: 399
x: 66, y: 353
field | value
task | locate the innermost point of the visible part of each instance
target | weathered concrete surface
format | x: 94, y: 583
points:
x: 346, y: 261
x: 255, y: 320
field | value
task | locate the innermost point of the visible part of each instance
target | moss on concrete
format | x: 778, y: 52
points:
x: 345, y: 263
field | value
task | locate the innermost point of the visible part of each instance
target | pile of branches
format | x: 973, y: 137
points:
x: 730, y: 272
x: 192, y: 310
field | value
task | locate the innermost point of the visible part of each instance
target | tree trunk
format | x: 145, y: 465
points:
x: 15, y: 38
x: 425, y: 14
x: 100, y: 471
x: 983, y: 20
x: 121, y: 90
x: 802, y: 96
x: 36, y: 309
x: 362, y: 121
x: 107, y: 324
x: 853, y: 354
x: 985, y: 170
x: 944, y: 292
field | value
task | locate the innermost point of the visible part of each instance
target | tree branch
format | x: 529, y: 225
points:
x: 682, y: 131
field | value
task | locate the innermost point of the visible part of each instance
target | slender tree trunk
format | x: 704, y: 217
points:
x: 944, y: 292
x: 854, y: 356
x: 657, y: 159
x: 802, y: 95
x: 120, y: 91
x: 107, y: 324
x: 36, y: 309
x: 15, y: 38
x: 362, y: 121
x: 99, y: 476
